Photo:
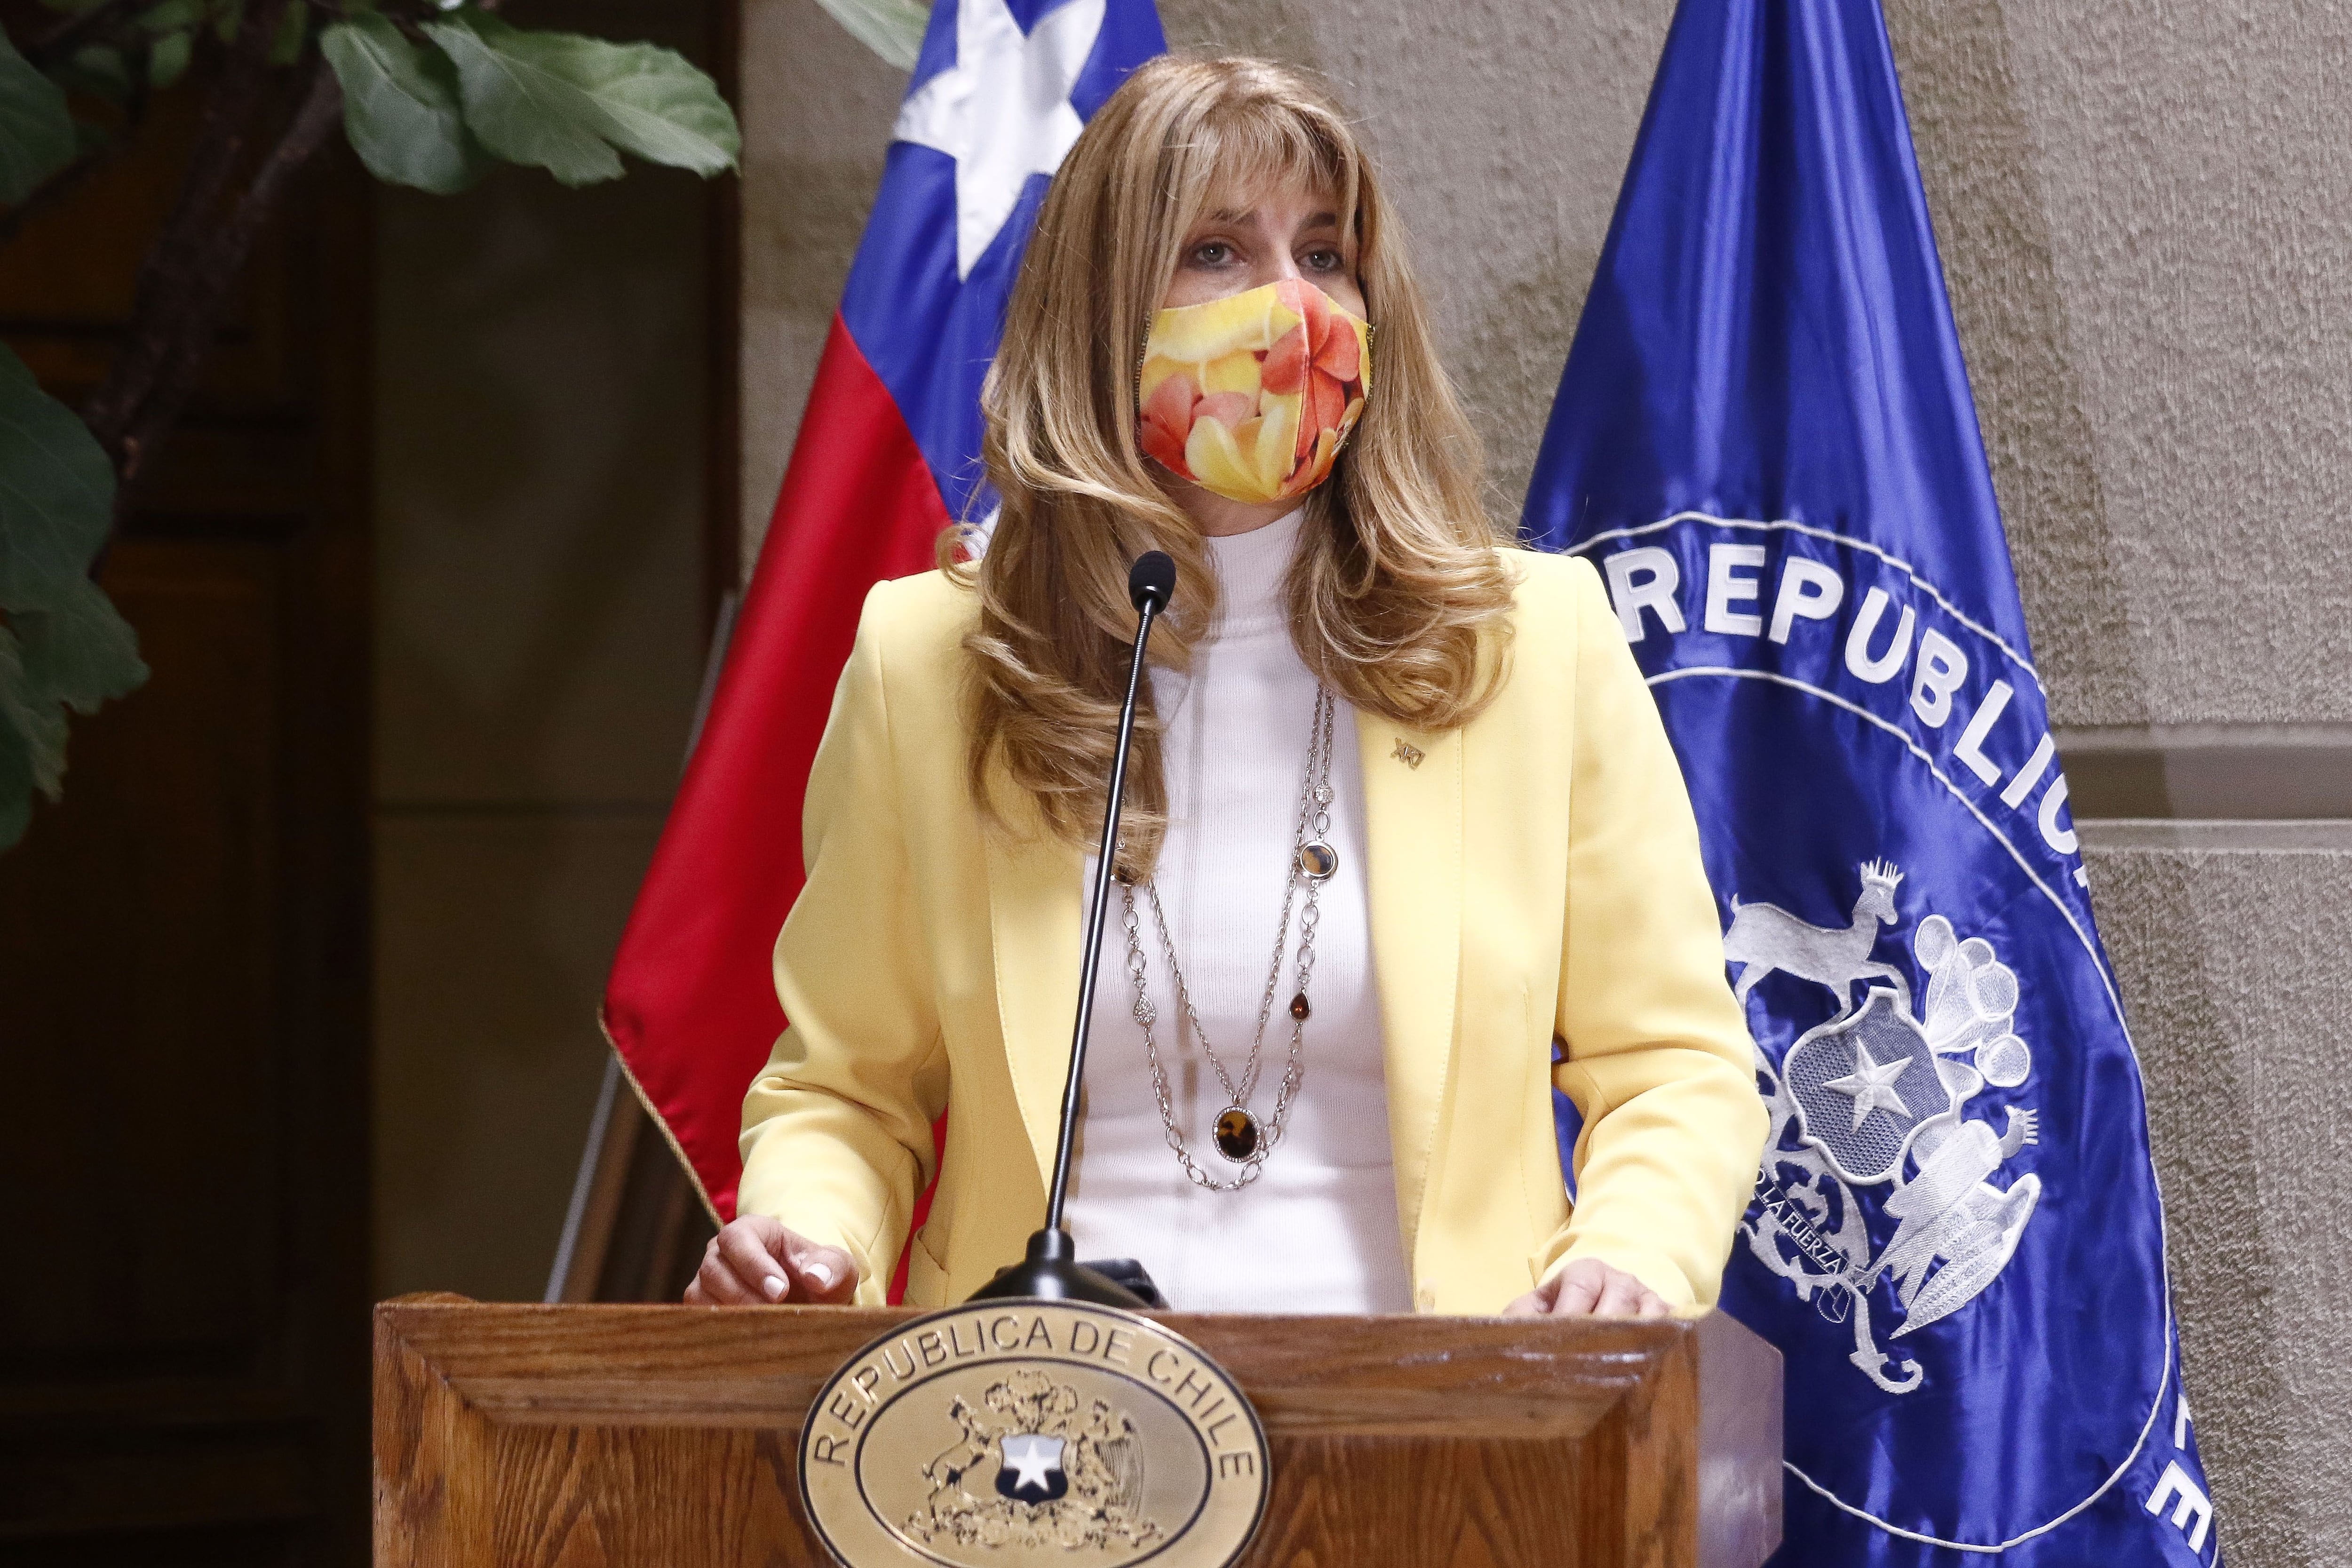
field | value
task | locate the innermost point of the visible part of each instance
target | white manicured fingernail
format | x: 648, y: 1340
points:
x: 820, y: 1276
x: 773, y: 1287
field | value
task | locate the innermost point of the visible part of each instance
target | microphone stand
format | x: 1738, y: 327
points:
x: 1051, y: 1270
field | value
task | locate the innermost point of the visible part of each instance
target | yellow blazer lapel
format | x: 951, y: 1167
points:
x: 1036, y: 915
x: 1412, y: 812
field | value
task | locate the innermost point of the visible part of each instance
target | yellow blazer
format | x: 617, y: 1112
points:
x: 1535, y: 890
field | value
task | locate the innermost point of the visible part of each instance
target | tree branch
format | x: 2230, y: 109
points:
x: 224, y: 257
x: 168, y: 282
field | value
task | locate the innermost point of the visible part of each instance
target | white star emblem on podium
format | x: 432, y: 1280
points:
x: 1032, y: 1462
x: 1003, y: 111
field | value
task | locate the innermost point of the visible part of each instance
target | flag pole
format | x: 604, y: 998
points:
x: 598, y: 1153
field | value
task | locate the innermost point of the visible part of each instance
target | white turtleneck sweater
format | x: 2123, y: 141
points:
x: 1317, y: 1231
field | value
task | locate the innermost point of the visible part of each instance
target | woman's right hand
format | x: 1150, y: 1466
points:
x: 755, y: 1261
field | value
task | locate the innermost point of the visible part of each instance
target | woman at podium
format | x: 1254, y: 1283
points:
x: 1405, y: 848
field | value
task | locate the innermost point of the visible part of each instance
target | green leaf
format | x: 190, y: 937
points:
x: 522, y: 112
x: 564, y: 102
x: 36, y: 134
x: 98, y: 69
x: 16, y: 765
x: 34, y: 732
x: 665, y: 111
x: 62, y: 643
x: 292, y: 30
x: 172, y: 16
x: 167, y: 59
x: 891, y: 29
x: 81, y: 651
x: 400, y: 107
x: 56, y: 492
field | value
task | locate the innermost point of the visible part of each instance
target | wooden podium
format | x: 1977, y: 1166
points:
x: 585, y: 1437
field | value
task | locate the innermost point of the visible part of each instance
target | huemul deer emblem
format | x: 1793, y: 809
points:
x: 1764, y: 938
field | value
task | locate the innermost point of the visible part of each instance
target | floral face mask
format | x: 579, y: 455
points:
x: 1251, y: 396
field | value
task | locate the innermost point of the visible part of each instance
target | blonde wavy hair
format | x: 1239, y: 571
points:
x: 1398, y: 594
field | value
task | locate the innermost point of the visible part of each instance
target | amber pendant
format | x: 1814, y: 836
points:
x: 1237, y: 1135
x: 1299, y: 1007
x: 1317, y: 860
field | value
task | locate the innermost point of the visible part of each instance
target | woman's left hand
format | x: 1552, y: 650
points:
x: 1589, y: 1287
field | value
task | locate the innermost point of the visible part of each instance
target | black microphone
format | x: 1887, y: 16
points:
x: 1150, y: 583
x: 1052, y: 1269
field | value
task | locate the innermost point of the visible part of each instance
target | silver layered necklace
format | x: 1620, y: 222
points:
x: 1240, y: 1137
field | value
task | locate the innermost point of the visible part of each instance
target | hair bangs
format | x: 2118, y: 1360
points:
x: 1251, y: 139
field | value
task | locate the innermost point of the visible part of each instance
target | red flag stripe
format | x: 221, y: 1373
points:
x: 691, y: 1005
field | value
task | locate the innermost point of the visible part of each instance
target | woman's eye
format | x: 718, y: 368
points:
x: 1211, y: 253
x: 1321, y: 260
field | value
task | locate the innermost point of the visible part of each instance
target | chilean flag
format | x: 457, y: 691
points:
x: 888, y: 455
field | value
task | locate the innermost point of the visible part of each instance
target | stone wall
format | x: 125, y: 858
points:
x: 2143, y: 212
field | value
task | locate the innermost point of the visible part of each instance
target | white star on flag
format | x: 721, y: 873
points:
x: 1870, y: 1085
x: 1003, y: 111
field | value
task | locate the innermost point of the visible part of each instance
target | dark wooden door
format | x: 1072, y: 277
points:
x: 183, y: 941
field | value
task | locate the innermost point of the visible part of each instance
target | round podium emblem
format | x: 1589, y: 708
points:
x: 1007, y: 1433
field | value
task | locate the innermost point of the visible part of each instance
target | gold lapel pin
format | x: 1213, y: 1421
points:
x: 1409, y: 755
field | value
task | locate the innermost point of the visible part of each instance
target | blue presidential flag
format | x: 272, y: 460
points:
x: 1765, y: 442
